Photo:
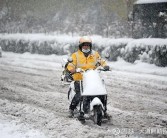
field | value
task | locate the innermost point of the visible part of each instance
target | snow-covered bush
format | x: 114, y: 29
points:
x: 113, y: 47
x: 159, y: 55
x: 147, y: 50
x: 38, y: 43
x: 114, y: 51
x: 50, y: 44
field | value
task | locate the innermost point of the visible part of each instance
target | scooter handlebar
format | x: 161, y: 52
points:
x: 100, y: 68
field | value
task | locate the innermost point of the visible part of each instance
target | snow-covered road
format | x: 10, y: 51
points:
x: 32, y: 96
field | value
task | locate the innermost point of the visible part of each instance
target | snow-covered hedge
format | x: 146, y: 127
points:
x: 112, y: 47
x: 151, y: 50
x: 50, y: 44
x: 38, y: 43
x: 147, y: 50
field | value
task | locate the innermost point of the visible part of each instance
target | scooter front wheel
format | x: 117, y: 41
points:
x: 97, y: 117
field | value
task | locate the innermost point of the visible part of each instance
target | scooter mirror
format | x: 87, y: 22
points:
x: 107, y: 55
x: 70, y: 59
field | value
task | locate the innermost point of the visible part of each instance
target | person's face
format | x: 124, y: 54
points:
x: 86, y: 46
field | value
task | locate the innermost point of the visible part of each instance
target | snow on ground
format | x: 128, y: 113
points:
x: 11, y: 129
x: 33, y: 103
x: 138, y: 67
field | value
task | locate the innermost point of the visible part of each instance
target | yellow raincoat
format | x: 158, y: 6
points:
x: 85, y: 63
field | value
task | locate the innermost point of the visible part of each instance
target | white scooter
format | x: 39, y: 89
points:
x: 93, y: 96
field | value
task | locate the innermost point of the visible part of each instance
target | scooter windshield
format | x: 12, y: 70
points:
x: 92, y: 84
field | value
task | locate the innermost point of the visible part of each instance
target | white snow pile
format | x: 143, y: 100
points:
x: 92, y: 87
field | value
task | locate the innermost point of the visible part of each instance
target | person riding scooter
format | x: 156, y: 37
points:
x: 85, y: 58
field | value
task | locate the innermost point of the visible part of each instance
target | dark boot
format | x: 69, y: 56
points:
x: 81, y: 117
x: 71, y: 113
x: 106, y: 116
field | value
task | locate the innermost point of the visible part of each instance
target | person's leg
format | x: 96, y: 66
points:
x: 76, y: 98
x: 75, y: 101
x: 86, y: 104
x: 104, y: 101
